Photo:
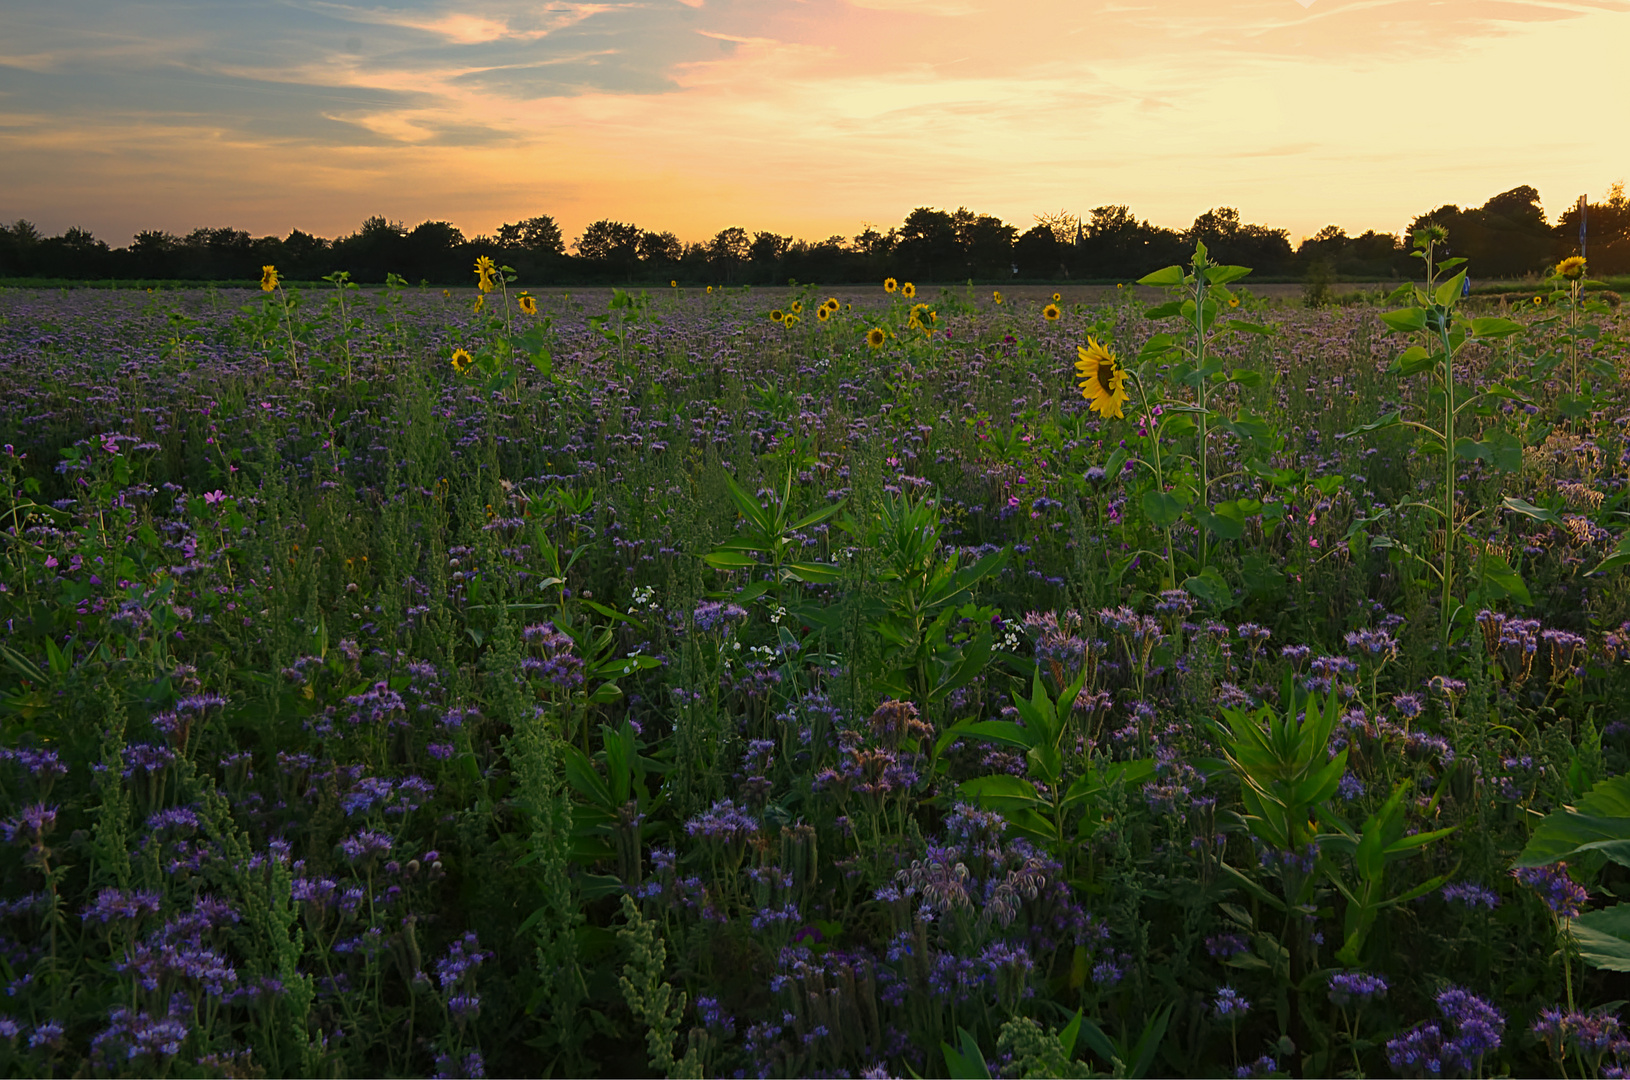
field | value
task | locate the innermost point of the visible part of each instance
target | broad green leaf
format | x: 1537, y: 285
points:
x: 1220, y: 525
x: 1171, y: 275
x: 1603, y: 937
x: 1244, y: 327
x: 1600, y: 820
x: 1164, y: 311
x: 1222, y: 275
x: 1497, y: 572
x: 1208, y: 585
x: 1414, y: 360
x: 814, y: 573
x: 1448, y: 292
x: 1495, y: 327
x: 730, y: 560
x: 1246, y: 377
x: 1162, y: 509
x: 1405, y: 320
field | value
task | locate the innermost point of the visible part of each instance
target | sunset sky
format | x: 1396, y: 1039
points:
x: 808, y: 117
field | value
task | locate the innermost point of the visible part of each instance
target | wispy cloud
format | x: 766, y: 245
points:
x: 791, y: 114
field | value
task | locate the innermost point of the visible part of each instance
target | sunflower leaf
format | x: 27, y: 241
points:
x: 1171, y: 275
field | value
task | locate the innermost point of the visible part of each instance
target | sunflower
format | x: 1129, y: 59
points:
x: 1050, y: 313
x: 268, y: 278
x: 528, y: 304
x: 796, y: 307
x: 710, y: 290
x: 461, y: 361
x: 1233, y: 301
x: 889, y: 284
x: 445, y: 294
x: 1539, y: 300
x: 790, y: 319
x: 908, y: 290
x: 480, y: 304
x: 777, y: 315
x: 823, y: 313
x: 673, y: 284
x: 997, y: 296
x: 832, y: 302
x: 1057, y: 297
x: 1102, y: 381
x: 485, y: 273
x: 875, y: 337
x: 1572, y: 268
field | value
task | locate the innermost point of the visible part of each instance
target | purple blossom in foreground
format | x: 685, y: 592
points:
x: 1474, y: 1030
x: 1465, y: 892
x: 1565, y: 897
x: 722, y: 821
x: 1349, y: 986
x: 1230, y: 1004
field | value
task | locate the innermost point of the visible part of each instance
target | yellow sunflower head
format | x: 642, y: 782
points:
x: 528, y: 304
x: 875, y: 337
x: 445, y: 293
x: 777, y: 315
x: 268, y: 278
x: 461, y: 361
x: 796, y: 307
x: 1057, y: 297
x: 486, y: 273
x: 889, y: 285
x: 673, y: 284
x: 1538, y: 300
x: 997, y: 296
x: 1102, y: 381
x: 1050, y: 313
x: 1233, y: 301
x: 480, y: 304
x: 823, y: 313
x: 790, y: 319
x: 1572, y: 268
x: 710, y: 290
x: 908, y: 290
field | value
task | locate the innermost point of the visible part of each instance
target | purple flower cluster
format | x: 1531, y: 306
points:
x: 1471, y: 1029
x: 1565, y: 897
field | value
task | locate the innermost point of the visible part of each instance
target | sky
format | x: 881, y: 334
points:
x: 802, y: 117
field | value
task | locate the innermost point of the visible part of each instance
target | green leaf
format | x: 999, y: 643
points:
x: 814, y: 573
x: 1392, y: 419
x: 1603, y: 937
x: 1405, y: 320
x: 1222, y: 275
x: 1171, y: 275
x: 1246, y: 377
x: 730, y: 560
x: 1448, y: 292
x: 1274, y: 476
x: 1164, y: 311
x: 1244, y: 327
x: 1162, y: 509
x: 1498, y: 573
x: 1220, y: 525
x: 966, y: 1061
x: 1495, y: 327
x: 1209, y: 586
x: 1414, y: 360
x: 1600, y: 820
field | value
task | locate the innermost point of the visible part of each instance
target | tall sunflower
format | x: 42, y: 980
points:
x: 1050, y: 313
x: 997, y: 296
x: 268, y: 278
x: 461, y: 361
x: 908, y: 290
x: 1572, y: 268
x: 875, y: 337
x: 486, y: 273
x: 889, y: 285
x: 1102, y: 381
x: 777, y: 315
x: 528, y: 304
x: 823, y: 313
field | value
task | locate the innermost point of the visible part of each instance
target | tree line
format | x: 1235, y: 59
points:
x: 1508, y: 236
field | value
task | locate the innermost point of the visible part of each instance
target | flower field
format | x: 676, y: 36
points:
x: 906, y: 681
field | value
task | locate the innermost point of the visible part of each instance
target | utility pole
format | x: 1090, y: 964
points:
x: 1582, y: 205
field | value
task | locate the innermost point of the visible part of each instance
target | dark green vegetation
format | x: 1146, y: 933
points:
x: 1507, y: 237
x: 673, y: 690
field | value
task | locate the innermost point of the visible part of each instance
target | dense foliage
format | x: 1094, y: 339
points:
x: 1507, y: 236
x: 625, y: 684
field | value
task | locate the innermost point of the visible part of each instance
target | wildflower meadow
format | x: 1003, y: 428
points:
x: 883, y: 681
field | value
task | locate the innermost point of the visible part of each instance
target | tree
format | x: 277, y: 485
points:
x: 767, y: 248
x: 609, y: 241
x: 728, y: 250
x: 1037, y: 253
x: 928, y: 245
x: 660, y: 248
x: 536, y: 234
x: 987, y: 244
